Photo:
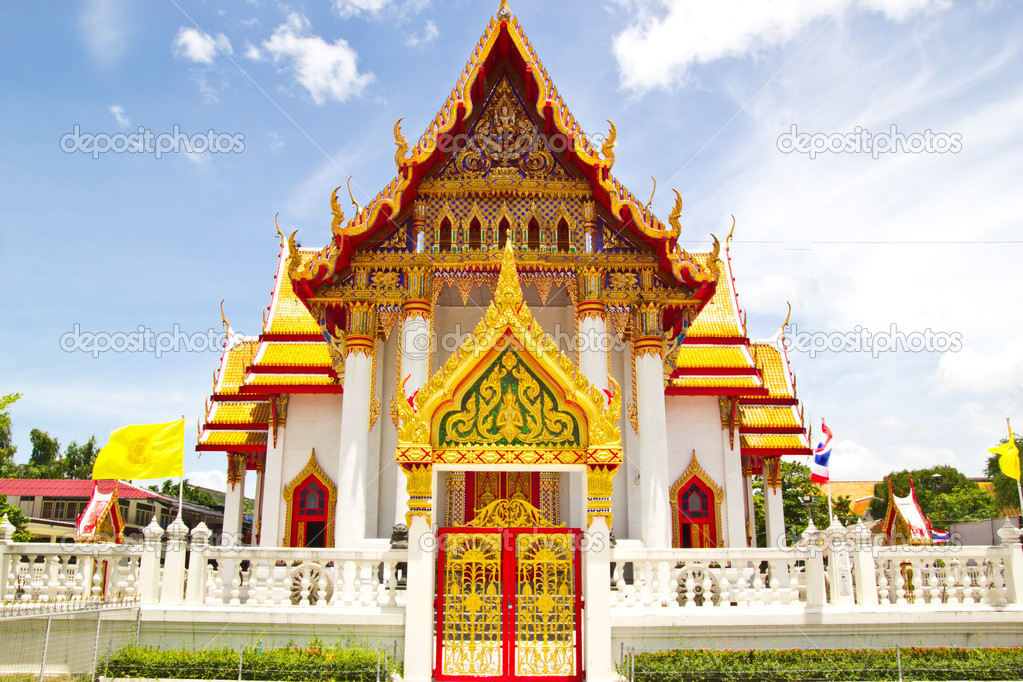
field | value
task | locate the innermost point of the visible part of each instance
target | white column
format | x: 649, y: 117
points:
x: 751, y: 517
x: 597, y: 650
x: 234, y: 501
x: 593, y: 345
x: 271, y: 532
x: 774, y: 513
x: 172, y: 587
x: 350, y: 515
x: 734, y: 503
x: 415, y: 364
x: 257, y: 504
x: 419, y: 623
x: 373, y: 450
x: 655, y: 518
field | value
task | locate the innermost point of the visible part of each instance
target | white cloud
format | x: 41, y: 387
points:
x: 424, y: 37
x: 325, y: 70
x: 350, y: 8
x: 668, y: 37
x: 215, y: 479
x: 118, y: 111
x: 200, y: 47
x: 104, y: 29
x: 978, y: 372
x: 252, y: 52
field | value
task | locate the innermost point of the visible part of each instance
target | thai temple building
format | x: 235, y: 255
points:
x: 503, y: 423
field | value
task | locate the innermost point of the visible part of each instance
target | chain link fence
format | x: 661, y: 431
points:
x: 58, y: 641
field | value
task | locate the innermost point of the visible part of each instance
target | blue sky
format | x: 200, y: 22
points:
x: 700, y: 93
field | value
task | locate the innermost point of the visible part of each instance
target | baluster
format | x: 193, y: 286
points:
x: 932, y: 583
x: 132, y: 579
x: 76, y: 577
x: 952, y: 581
x: 725, y: 587
x: 52, y: 573
x: 663, y: 593
x: 624, y: 592
x: 644, y: 592
x: 259, y: 579
x: 998, y: 592
x: 899, y: 582
x: 304, y: 585
x: 235, y: 577
x: 757, y: 596
x: 690, y: 584
x: 33, y: 579
x: 321, y: 586
x: 674, y: 587
x: 366, y: 595
x: 985, y: 586
x: 98, y: 570
x: 883, y: 591
x: 969, y: 588
x: 392, y: 584
x: 218, y: 582
x: 742, y: 587
x: 708, y: 588
x: 280, y: 592
x: 122, y: 579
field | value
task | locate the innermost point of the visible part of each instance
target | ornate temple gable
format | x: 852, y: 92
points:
x: 504, y: 53
x: 508, y: 395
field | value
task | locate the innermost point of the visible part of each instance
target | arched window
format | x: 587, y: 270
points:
x: 310, y: 497
x: 563, y: 237
x: 444, y: 236
x: 502, y: 233
x: 695, y: 509
x: 533, y: 235
x: 475, y: 235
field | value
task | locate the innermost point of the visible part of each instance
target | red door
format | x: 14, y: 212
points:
x: 309, y: 518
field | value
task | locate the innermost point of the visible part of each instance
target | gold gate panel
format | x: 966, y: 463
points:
x: 545, y: 622
x: 472, y: 633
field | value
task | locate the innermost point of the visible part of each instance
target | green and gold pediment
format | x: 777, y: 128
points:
x: 509, y: 405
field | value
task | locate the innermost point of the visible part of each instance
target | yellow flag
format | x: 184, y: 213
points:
x: 1009, y: 460
x: 143, y: 451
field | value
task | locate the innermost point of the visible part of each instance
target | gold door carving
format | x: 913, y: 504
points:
x: 471, y: 629
x: 546, y: 631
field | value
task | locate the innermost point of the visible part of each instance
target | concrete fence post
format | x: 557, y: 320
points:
x: 814, y: 542
x: 422, y: 555
x: 196, y: 584
x: 172, y: 591
x: 149, y: 566
x: 1009, y: 535
x: 864, y: 570
x: 6, y: 540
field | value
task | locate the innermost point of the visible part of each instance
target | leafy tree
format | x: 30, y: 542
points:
x: 1006, y: 494
x: 17, y: 519
x: 189, y: 492
x: 45, y: 450
x: 952, y: 498
x: 7, y: 446
x: 78, y: 459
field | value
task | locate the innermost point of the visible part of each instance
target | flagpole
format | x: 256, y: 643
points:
x: 831, y: 512
x: 181, y: 484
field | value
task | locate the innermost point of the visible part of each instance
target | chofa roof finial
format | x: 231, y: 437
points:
x: 503, y: 12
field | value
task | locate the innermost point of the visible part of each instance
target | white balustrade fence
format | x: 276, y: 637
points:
x: 36, y: 572
x: 706, y: 578
x: 939, y: 575
x: 290, y: 577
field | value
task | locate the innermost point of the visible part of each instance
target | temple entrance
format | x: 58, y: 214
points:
x: 509, y: 597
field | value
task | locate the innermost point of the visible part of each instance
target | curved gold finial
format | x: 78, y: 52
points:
x: 607, y: 149
x: 222, y: 316
x: 503, y: 11
x: 652, y: 193
x: 280, y: 235
x: 335, y: 210
x: 293, y: 259
x: 676, y: 212
x: 714, y: 262
x: 358, y: 209
x: 728, y: 239
x: 401, y: 143
x: 785, y: 324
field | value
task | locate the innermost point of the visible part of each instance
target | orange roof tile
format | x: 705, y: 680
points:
x: 239, y: 413
x: 694, y: 356
x: 293, y: 354
x: 720, y: 317
x: 768, y: 416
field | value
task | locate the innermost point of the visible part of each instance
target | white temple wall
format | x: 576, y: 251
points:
x: 314, y: 422
x: 694, y: 422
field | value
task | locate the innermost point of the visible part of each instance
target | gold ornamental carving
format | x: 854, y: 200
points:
x: 515, y: 513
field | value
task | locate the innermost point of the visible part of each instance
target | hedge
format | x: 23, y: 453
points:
x: 313, y: 662
x: 829, y: 664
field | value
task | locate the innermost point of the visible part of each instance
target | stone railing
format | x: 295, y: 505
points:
x: 937, y: 575
x: 706, y: 578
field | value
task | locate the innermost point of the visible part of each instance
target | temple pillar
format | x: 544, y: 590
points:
x: 774, y: 512
x: 350, y: 512
x: 592, y: 341
x: 419, y: 618
x: 648, y: 348
x: 415, y: 347
x: 734, y: 503
x: 234, y: 500
x: 272, y: 497
x: 751, y: 517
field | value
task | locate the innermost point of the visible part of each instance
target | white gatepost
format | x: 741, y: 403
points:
x: 1013, y: 568
x: 419, y: 591
x: 648, y: 346
x: 839, y: 565
x: 816, y: 590
x: 6, y: 540
x: 597, y: 650
x: 864, y: 568
x: 196, y: 583
x: 172, y: 590
x: 149, y: 566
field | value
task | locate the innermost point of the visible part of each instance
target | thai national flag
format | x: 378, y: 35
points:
x: 940, y: 537
x: 821, y: 455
